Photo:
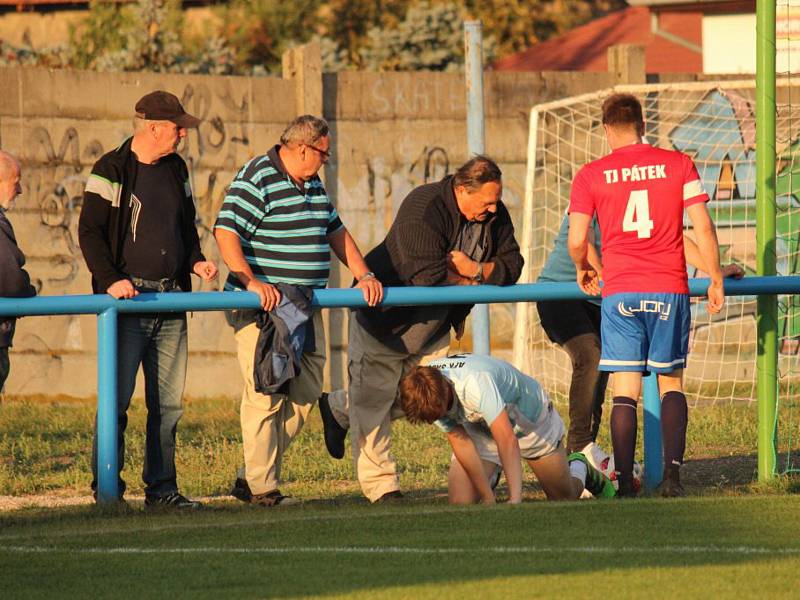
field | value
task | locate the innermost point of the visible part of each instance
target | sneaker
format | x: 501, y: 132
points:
x: 171, y: 500
x: 597, y: 484
x: 670, y: 486
x: 273, y: 498
x: 334, y: 433
x: 391, y: 497
x: 241, y: 490
x: 595, y: 455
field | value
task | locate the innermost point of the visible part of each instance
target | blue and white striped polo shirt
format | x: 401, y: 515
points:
x: 282, y: 231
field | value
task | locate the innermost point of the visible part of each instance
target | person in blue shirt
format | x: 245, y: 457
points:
x: 575, y: 326
x: 495, y: 416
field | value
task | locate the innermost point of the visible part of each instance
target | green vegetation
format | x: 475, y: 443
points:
x: 45, y: 447
x: 249, y: 36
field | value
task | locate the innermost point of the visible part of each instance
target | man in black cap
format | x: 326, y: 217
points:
x: 137, y: 233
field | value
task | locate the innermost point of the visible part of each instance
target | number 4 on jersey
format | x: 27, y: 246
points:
x: 637, y: 214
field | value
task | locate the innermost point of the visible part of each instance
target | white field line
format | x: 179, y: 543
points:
x: 723, y: 550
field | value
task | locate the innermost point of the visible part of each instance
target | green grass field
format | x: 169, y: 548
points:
x: 730, y: 537
x: 695, y: 547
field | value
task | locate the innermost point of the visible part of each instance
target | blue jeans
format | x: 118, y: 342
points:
x: 158, y: 343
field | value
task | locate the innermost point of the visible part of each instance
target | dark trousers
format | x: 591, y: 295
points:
x: 575, y: 326
x: 5, y: 367
x: 158, y: 343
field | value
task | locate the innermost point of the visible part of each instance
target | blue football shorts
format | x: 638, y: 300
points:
x: 644, y: 332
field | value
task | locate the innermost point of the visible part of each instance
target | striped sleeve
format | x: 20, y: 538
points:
x: 243, y: 208
x: 334, y: 222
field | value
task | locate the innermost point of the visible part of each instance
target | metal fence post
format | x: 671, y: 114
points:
x: 107, y: 459
x: 653, y: 451
x: 473, y: 69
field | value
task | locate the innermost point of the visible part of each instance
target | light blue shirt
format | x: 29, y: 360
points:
x: 484, y: 387
x: 559, y: 265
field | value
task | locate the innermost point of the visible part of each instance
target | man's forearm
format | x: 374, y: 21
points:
x: 709, y: 252
x: 347, y: 251
x: 230, y: 248
x: 512, y: 467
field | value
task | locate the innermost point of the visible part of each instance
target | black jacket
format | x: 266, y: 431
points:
x: 106, y: 214
x: 414, y: 253
x: 14, y: 280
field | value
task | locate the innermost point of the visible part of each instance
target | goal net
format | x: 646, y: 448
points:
x: 714, y: 123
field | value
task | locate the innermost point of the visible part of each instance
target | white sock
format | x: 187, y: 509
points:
x: 578, y: 470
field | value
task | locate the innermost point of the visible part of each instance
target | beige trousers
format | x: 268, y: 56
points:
x: 375, y: 372
x: 270, y: 422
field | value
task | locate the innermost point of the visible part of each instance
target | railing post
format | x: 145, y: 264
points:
x: 473, y: 69
x: 107, y: 459
x: 766, y: 305
x: 653, y: 451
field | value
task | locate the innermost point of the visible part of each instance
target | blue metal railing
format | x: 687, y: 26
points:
x: 108, y: 309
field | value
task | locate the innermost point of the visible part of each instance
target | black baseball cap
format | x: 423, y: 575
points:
x: 163, y: 106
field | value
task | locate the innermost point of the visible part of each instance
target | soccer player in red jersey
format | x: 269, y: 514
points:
x: 639, y: 194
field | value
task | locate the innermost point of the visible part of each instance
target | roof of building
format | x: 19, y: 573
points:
x: 585, y: 48
x: 694, y: 4
x: 33, y: 5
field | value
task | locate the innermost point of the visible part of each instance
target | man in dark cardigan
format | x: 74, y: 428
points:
x: 453, y: 232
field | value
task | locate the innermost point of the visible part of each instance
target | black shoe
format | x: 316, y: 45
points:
x: 391, y: 497
x: 334, y: 433
x: 670, y: 486
x: 625, y: 489
x: 241, y: 490
x: 273, y: 498
x: 171, y: 500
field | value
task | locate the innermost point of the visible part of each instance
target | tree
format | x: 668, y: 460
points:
x: 430, y: 37
x: 359, y: 31
x: 101, y: 32
x: 518, y: 24
x: 262, y: 30
x: 347, y: 24
x: 145, y: 36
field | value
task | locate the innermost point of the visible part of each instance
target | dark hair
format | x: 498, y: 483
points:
x: 477, y: 171
x: 425, y: 395
x: 623, y: 110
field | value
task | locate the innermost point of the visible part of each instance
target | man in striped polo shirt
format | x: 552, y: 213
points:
x: 277, y: 225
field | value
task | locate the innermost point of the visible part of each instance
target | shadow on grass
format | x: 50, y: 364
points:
x: 325, y: 548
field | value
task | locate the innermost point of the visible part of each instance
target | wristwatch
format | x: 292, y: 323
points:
x: 478, y: 277
x: 367, y: 275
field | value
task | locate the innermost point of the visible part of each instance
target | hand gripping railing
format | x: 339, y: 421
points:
x: 107, y: 309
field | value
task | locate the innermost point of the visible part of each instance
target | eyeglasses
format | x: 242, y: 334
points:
x: 325, y: 154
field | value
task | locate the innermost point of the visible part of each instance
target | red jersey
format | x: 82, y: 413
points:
x: 639, y: 194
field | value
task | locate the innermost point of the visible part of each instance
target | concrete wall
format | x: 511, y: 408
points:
x: 59, y: 123
x: 391, y: 132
